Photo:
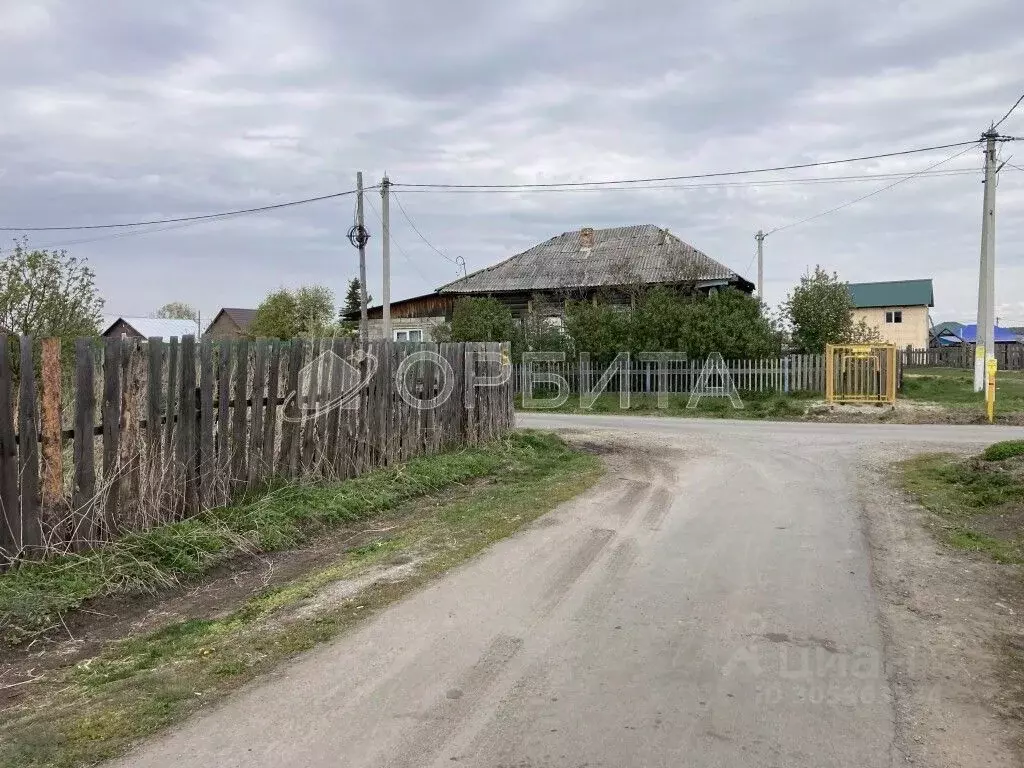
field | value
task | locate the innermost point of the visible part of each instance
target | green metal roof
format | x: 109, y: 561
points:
x: 895, y: 293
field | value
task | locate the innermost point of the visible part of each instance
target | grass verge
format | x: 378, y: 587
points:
x: 978, y: 501
x: 756, y: 405
x: 96, y: 709
x: 35, y: 595
x: 954, y: 388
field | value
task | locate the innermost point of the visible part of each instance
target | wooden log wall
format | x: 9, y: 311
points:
x: 159, y: 431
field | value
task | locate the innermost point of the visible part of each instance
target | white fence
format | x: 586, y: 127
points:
x: 790, y: 373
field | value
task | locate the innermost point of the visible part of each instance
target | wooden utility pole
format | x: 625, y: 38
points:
x: 385, y: 185
x: 760, y: 264
x: 361, y: 242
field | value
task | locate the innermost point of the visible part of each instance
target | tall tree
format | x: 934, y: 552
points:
x: 178, y: 310
x: 48, y: 293
x: 353, y: 299
x: 820, y: 312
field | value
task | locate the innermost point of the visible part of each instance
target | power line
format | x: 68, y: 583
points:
x: 401, y: 251
x: 694, y: 176
x: 458, y: 261
x: 203, y: 217
x: 870, y: 194
x: 1009, y: 112
x: 709, y: 185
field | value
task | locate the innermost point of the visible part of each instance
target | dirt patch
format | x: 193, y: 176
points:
x: 952, y: 621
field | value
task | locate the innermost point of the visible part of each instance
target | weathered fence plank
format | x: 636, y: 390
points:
x: 31, y: 534
x: 207, y: 458
x: 273, y: 393
x: 239, y: 467
x: 111, y: 412
x: 83, y: 497
x: 290, y: 434
x: 52, y: 469
x: 224, y: 416
x: 170, y: 406
x: 10, y: 524
x: 257, y: 470
x: 128, y: 514
x: 187, y: 456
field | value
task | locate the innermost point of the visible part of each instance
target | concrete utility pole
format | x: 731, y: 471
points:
x: 361, y: 229
x: 385, y: 185
x: 760, y: 264
x: 984, y: 340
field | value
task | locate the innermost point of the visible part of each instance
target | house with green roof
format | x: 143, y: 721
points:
x: 898, y: 309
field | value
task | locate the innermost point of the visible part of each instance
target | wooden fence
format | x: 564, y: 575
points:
x: 152, y: 432
x: 1010, y: 357
x: 791, y: 373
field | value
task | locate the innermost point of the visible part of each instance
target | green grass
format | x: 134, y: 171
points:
x: 95, y: 710
x: 954, y: 387
x: 34, y: 596
x: 978, y: 501
x: 757, y: 405
x: 1007, y: 449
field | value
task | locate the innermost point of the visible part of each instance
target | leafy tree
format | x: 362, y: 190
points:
x: 276, y: 317
x: 819, y: 311
x: 480, y: 319
x: 286, y: 314
x: 178, y: 310
x: 314, y: 310
x: 48, y: 293
x: 666, y: 320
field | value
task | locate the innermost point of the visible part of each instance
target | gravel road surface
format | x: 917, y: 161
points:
x: 709, y: 603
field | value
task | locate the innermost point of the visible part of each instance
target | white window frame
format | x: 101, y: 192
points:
x: 406, y: 332
x: 894, y: 316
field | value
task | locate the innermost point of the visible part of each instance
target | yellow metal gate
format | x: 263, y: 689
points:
x: 860, y: 373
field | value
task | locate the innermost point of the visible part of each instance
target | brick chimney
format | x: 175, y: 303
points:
x: 587, y: 238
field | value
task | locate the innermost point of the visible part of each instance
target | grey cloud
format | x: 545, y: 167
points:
x: 124, y: 111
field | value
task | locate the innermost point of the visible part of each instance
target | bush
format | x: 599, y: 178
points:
x: 1004, y: 450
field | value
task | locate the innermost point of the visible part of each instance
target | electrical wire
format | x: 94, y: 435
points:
x: 693, y: 176
x: 458, y: 261
x: 1009, y: 112
x: 398, y: 246
x: 709, y: 185
x: 870, y: 194
x: 202, y: 217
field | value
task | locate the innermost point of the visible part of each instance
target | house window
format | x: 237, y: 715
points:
x: 894, y: 316
x: 411, y: 334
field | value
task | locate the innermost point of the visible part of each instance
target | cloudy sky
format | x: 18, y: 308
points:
x: 116, y: 111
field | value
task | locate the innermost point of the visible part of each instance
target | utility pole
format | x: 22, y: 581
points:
x: 984, y: 339
x: 760, y: 264
x: 385, y: 211
x: 361, y: 241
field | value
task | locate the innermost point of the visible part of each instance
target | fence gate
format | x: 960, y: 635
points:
x: 860, y: 373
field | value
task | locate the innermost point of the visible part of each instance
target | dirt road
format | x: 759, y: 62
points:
x: 710, y: 603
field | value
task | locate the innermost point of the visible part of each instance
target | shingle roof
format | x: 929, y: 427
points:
x: 619, y: 256
x: 153, y: 326
x: 895, y: 293
x: 241, y: 317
